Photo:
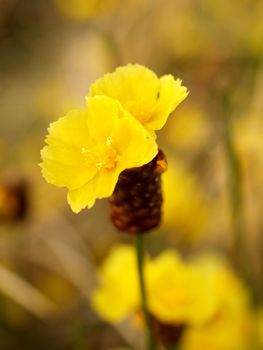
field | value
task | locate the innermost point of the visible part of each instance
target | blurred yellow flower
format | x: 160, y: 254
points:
x: 87, y: 150
x: 178, y: 293
x: 231, y: 293
x: 226, y: 334
x: 118, y: 293
x: 259, y: 327
x: 82, y: 10
x: 145, y: 96
x: 203, y: 294
x: 232, y: 325
x: 186, y: 208
x: 189, y: 130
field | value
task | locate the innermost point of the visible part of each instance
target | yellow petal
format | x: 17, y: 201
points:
x: 117, y: 295
x: 83, y: 197
x: 63, y: 162
x: 134, y: 86
x: 126, y: 84
x: 171, y: 93
x: 63, y: 175
x: 179, y: 292
x: 140, y: 92
x: 72, y: 129
x: 101, y: 186
x: 102, y: 117
x: 133, y: 143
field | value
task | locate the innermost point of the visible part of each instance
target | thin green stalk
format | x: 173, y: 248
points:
x: 235, y: 189
x: 78, y: 335
x: 172, y: 347
x: 235, y: 177
x: 236, y: 205
x: 139, y: 241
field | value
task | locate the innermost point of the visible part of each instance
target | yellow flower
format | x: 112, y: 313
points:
x: 230, y: 291
x: 259, y: 327
x: 186, y: 207
x: 87, y: 150
x: 189, y: 131
x: 202, y: 294
x: 178, y: 293
x: 231, y: 328
x: 117, y: 295
x: 145, y: 96
x: 233, y: 333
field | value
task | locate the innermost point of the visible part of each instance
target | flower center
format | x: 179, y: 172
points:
x: 139, y: 111
x: 103, y: 156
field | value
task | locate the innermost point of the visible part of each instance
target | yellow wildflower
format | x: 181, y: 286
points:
x: 186, y: 208
x: 232, y: 333
x: 145, y: 96
x: 231, y: 327
x: 118, y: 293
x: 259, y: 328
x: 87, y: 150
x: 189, y: 131
x: 230, y: 292
x: 178, y: 293
x: 204, y: 295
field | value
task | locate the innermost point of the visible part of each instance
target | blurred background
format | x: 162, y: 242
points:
x: 50, y: 52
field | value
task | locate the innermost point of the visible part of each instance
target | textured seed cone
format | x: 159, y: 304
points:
x: 167, y: 334
x: 137, y: 199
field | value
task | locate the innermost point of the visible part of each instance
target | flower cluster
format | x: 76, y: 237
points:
x: 87, y: 149
x: 202, y: 295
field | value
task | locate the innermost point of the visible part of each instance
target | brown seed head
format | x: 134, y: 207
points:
x: 137, y: 198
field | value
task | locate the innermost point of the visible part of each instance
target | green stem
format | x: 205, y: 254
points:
x: 236, y: 203
x: 235, y: 188
x: 78, y: 335
x: 235, y: 173
x: 139, y: 241
x: 172, y: 347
